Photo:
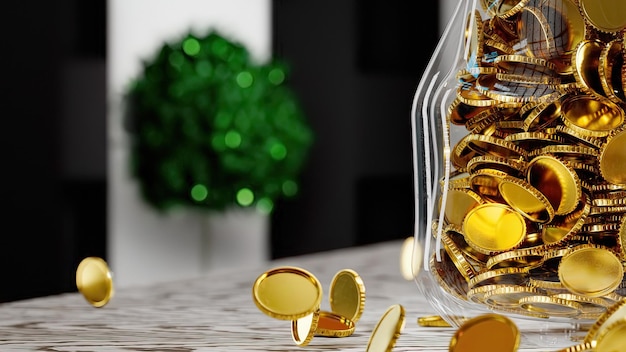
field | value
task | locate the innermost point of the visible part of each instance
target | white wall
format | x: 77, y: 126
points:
x: 144, y: 247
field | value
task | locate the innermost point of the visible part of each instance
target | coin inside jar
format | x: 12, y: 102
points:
x: 494, y: 227
x: 590, y: 271
x: 613, y: 158
x: 557, y: 181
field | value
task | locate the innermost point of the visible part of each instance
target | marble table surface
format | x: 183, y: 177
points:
x: 215, y: 312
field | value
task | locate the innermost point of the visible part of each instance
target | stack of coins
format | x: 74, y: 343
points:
x: 534, y: 209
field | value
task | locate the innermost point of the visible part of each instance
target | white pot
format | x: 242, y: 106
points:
x: 235, y: 237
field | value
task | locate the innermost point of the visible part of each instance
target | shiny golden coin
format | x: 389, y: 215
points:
x: 591, y: 116
x: 614, y: 313
x: 287, y: 293
x: 500, y: 276
x: 551, y: 306
x: 486, y: 333
x: 457, y: 257
x: 458, y: 203
x: 334, y: 325
x: 610, y: 69
x: 94, y: 281
x: 508, y: 296
x: 590, y: 271
x: 387, y: 330
x: 526, y: 199
x: 612, y: 338
x: 485, y: 182
x: 622, y: 236
x: 433, y: 321
x: 410, y: 258
x: 605, y: 15
x: 507, y: 91
x: 447, y: 275
x: 473, y: 39
x: 494, y: 227
x: 586, y: 61
x: 557, y: 181
x: 613, y: 158
x: 347, y: 294
x: 303, y: 329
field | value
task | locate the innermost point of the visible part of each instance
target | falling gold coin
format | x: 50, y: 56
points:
x: 287, y: 293
x: 387, y: 330
x: 94, y: 281
x: 303, y: 329
x: 410, y: 258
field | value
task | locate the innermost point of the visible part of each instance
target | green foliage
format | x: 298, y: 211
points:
x: 210, y: 128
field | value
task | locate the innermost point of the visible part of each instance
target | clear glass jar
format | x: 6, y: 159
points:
x: 520, y: 176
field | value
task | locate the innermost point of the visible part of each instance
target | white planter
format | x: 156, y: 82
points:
x: 236, y: 237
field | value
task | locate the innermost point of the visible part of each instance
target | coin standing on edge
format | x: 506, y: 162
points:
x: 347, y: 295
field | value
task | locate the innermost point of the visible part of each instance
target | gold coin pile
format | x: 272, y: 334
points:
x: 534, y: 210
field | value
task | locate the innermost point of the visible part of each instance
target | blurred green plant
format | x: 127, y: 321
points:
x: 210, y: 128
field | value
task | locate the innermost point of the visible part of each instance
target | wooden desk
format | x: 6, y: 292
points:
x: 216, y: 313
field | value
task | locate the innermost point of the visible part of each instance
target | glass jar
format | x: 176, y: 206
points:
x: 520, y: 162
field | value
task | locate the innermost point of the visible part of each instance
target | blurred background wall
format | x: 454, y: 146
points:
x: 355, y: 65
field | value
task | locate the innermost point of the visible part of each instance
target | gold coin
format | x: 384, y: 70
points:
x: 622, y: 237
x: 473, y: 39
x: 509, y: 295
x: 387, y: 330
x: 551, y: 306
x: 505, y: 91
x: 94, y: 281
x: 287, y: 293
x: 490, y: 331
x: 613, y: 158
x: 303, y: 329
x: 347, y: 295
x: 613, y: 337
x: 555, y: 180
x: 591, y: 305
x: 605, y: 15
x: 334, y: 325
x: 433, y: 321
x: 500, y: 276
x: 591, y: 116
x: 610, y: 68
x: 544, y: 114
x: 410, y: 258
x: 590, y: 271
x: 464, y: 267
x: 455, y: 233
x: 518, y: 258
x: 526, y: 199
x: 494, y: 227
x: 615, y: 312
x: 458, y: 203
x: 523, y: 64
x: 447, y: 275
x: 485, y: 182
x: 586, y: 61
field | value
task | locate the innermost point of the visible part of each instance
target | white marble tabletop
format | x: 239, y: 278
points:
x: 216, y: 312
